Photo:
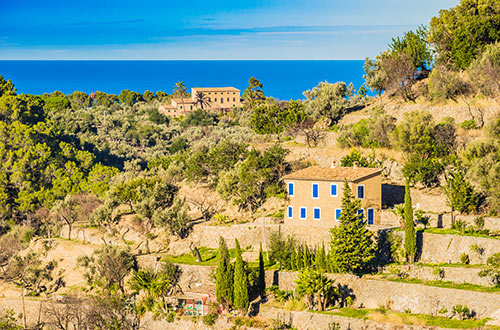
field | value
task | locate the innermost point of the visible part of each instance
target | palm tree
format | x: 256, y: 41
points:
x: 202, y: 100
x: 315, y: 286
x: 180, y: 90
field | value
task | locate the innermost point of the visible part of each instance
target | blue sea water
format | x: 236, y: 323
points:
x: 282, y: 79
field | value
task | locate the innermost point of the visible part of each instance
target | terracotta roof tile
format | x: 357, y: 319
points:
x: 216, y: 89
x: 333, y: 174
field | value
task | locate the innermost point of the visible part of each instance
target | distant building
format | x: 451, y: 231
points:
x: 315, y: 195
x: 218, y: 98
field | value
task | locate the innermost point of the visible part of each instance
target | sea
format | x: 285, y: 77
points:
x: 283, y: 80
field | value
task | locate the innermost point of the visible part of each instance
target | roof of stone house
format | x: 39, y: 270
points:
x: 180, y: 101
x: 333, y: 174
x: 216, y: 89
x: 168, y: 106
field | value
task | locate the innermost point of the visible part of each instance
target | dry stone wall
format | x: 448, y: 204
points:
x: 418, y: 298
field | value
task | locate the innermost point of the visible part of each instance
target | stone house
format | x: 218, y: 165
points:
x: 314, y: 195
x: 219, y: 98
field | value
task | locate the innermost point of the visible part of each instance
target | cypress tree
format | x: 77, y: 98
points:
x: 241, y: 299
x: 261, y: 284
x: 293, y: 259
x: 351, y: 244
x: 224, y: 275
x: 298, y: 263
x: 305, y: 257
x: 321, y: 258
x: 410, y: 236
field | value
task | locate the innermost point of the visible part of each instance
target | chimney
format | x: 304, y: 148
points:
x: 333, y: 164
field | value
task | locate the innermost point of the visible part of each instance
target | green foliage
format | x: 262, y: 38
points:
x: 464, y: 258
x: 356, y: 159
x: 413, y: 44
x: 252, y: 180
x: 272, y: 117
x: 461, y: 33
x: 351, y: 244
x: 468, y: 124
x: 410, y: 243
x: 484, y: 72
x: 8, y: 320
x: 462, y: 312
x: 30, y: 273
x: 446, y: 84
x: 240, y: 290
x: 107, y: 268
x: 253, y: 94
x: 316, y: 288
x: 429, y: 146
x: 210, y: 319
x: 329, y: 101
x: 261, y: 279
x: 493, y: 269
x: 224, y: 275
x: 200, y: 117
x: 368, y: 133
x: 460, y: 194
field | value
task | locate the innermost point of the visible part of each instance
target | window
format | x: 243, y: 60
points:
x: 303, y: 213
x: 228, y: 99
x: 291, y: 187
x: 317, y: 213
x: 190, y: 107
x: 180, y: 107
x: 333, y: 190
x: 361, y: 214
x: 371, y: 217
x: 290, y: 212
x: 315, y: 190
x: 215, y: 98
x: 361, y: 191
x: 337, y: 214
x: 234, y: 99
x: 221, y: 100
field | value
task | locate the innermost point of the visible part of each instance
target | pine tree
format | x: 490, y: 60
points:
x: 224, y: 275
x: 410, y: 236
x: 261, y: 284
x: 351, y: 244
x: 241, y: 299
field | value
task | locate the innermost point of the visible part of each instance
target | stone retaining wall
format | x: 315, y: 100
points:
x: 315, y: 321
x: 451, y: 274
x: 418, y: 298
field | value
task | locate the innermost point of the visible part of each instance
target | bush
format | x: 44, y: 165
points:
x: 464, y: 258
x: 446, y: 84
x: 469, y: 124
x: 462, y: 312
x: 355, y: 158
x: 210, y: 319
x: 459, y: 225
x: 170, y: 317
x: 368, y: 133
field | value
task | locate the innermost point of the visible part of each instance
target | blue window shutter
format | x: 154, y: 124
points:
x: 290, y: 212
x: 337, y: 214
x: 302, y: 212
x: 317, y: 213
x: 370, y: 216
x: 290, y: 188
x: 315, y: 190
x: 361, y: 191
x: 333, y: 189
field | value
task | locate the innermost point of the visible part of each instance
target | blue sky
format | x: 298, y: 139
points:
x: 217, y: 29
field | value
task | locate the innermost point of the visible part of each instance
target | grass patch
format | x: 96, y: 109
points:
x: 385, y: 316
x: 208, y: 257
x: 449, y: 285
x: 445, y: 231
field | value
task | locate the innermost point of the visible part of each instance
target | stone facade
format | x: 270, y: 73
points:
x: 315, y: 195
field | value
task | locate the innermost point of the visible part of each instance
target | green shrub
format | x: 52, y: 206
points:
x: 446, y: 84
x: 462, y: 312
x: 459, y: 225
x: 210, y: 319
x: 464, y: 258
x: 469, y: 124
x: 170, y: 317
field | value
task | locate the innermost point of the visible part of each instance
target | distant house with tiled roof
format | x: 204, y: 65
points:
x: 315, y: 194
x: 218, y: 98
